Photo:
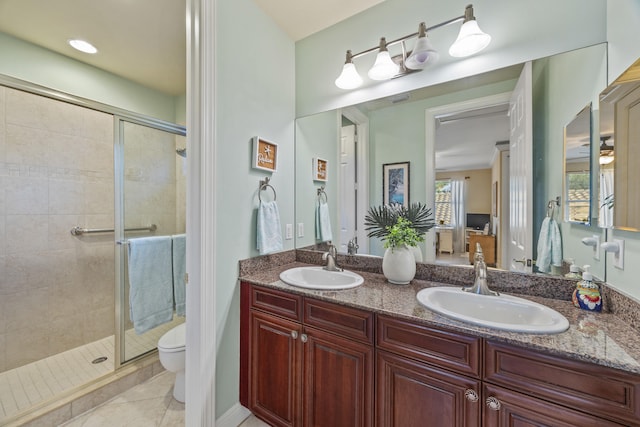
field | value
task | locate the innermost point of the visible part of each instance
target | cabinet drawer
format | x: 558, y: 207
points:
x: 446, y: 349
x: 276, y: 302
x: 593, y: 389
x: 345, y: 321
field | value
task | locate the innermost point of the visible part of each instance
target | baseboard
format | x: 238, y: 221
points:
x: 234, y: 416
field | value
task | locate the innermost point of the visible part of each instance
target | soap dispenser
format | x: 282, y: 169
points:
x: 587, y: 294
x: 574, y: 272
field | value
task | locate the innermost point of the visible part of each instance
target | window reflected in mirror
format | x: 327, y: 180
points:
x: 577, y: 179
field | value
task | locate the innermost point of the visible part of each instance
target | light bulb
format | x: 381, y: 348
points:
x: 471, y: 39
x: 423, y: 53
x: 349, y: 78
x: 384, y: 68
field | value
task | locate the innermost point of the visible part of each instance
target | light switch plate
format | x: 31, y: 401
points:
x: 596, y: 248
x: 288, y: 233
x: 301, y: 229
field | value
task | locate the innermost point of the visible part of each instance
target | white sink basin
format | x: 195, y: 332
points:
x: 504, y: 312
x: 319, y: 278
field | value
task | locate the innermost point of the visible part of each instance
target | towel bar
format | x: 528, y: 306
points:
x: 79, y: 231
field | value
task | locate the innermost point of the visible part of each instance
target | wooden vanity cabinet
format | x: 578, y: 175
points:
x: 426, y: 376
x: 307, y: 362
x: 553, y: 391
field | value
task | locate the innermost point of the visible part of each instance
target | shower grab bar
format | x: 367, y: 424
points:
x: 79, y: 231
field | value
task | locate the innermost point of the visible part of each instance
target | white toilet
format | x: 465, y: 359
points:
x: 171, y: 348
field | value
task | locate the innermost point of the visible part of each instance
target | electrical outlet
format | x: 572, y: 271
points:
x: 618, y: 257
x: 301, y: 229
x: 288, y: 233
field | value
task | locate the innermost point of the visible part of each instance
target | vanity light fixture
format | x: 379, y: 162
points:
x: 82, y: 46
x: 470, y: 40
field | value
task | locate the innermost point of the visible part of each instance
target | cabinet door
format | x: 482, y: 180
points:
x: 338, y: 381
x: 275, y: 369
x: 410, y: 393
x: 506, y: 408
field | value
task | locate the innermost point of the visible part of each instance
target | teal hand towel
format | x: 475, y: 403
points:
x: 549, y: 246
x: 323, y: 222
x: 268, y: 230
x: 179, y: 269
x: 150, y: 282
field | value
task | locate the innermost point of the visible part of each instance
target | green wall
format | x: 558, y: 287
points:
x: 316, y: 136
x: 25, y: 61
x: 397, y: 134
x: 254, y: 96
x: 562, y: 86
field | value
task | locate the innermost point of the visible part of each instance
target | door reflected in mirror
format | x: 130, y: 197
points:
x: 577, y: 168
x: 619, y: 155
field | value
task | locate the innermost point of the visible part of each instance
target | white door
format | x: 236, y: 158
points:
x: 520, y: 248
x: 347, y: 186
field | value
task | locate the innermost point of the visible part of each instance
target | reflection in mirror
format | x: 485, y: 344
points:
x: 393, y: 129
x: 619, y: 152
x: 577, y: 168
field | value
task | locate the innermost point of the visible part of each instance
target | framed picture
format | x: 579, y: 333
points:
x: 395, y: 183
x: 320, y: 169
x: 265, y: 154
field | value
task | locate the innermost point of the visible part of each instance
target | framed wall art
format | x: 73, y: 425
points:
x: 320, y: 169
x: 395, y: 183
x: 265, y: 154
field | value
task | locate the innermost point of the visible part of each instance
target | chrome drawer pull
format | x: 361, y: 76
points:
x: 493, y: 403
x: 471, y: 395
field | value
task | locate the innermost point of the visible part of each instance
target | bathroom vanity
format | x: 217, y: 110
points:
x: 373, y: 356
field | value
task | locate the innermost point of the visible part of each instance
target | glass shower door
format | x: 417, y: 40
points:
x: 151, y: 202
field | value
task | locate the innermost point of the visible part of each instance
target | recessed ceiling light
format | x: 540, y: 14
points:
x: 83, y: 46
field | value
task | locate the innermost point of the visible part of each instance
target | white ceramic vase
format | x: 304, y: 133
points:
x: 417, y: 253
x: 399, y: 265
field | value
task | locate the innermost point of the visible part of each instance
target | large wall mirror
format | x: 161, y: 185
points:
x: 619, y: 152
x: 577, y: 168
x: 471, y: 148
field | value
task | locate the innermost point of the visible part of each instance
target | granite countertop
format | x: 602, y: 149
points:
x: 600, y: 338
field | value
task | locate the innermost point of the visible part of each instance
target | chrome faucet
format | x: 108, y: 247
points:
x: 331, y: 257
x: 480, y: 285
x: 352, y: 246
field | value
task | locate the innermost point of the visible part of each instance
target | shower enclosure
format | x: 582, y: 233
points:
x: 76, y: 178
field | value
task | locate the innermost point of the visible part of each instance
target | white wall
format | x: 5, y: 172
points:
x: 255, y: 96
x: 521, y: 31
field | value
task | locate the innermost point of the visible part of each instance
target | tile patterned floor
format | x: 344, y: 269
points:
x: 150, y: 404
x: 28, y: 385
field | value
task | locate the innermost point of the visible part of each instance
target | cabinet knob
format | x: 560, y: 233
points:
x: 471, y: 395
x: 303, y: 337
x: 294, y: 335
x: 493, y: 403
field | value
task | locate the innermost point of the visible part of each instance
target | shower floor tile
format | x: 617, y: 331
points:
x: 28, y: 385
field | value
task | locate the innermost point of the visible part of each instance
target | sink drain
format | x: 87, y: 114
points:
x: 99, y: 360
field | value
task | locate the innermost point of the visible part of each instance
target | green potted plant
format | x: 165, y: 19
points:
x: 380, y: 218
x: 401, y: 228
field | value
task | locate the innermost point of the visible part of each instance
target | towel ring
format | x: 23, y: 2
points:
x: 321, y: 192
x: 551, y: 206
x: 263, y: 186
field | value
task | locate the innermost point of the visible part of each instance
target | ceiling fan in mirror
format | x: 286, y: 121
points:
x: 606, y: 150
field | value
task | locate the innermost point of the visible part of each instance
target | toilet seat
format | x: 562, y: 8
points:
x: 174, y: 340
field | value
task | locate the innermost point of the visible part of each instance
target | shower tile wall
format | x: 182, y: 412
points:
x: 56, y: 172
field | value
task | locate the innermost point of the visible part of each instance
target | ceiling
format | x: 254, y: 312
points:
x: 144, y: 40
